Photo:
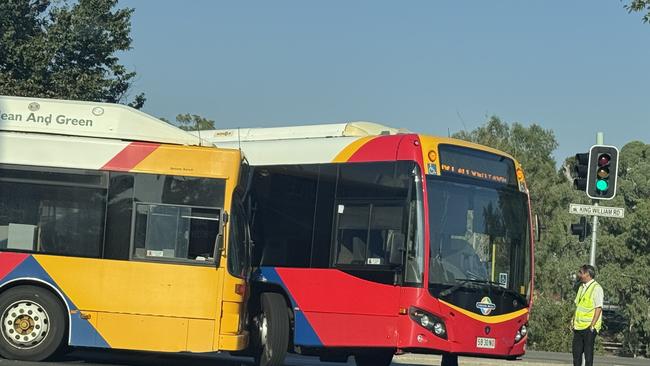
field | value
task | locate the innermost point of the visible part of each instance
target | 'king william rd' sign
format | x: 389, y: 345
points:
x: 603, y: 211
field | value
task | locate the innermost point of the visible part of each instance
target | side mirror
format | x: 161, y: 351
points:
x: 395, y: 242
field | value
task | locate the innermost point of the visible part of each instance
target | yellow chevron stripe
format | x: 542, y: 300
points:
x: 349, y: 150
x: 488, y: 319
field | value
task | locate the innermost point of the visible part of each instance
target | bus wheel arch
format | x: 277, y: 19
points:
x: 271, y: 319
x: 34, y: 321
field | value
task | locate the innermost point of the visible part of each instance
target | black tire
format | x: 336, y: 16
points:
x: 380, y: 357
x: 33, y: 324
x: 449, y: 359
x: 272, y: 349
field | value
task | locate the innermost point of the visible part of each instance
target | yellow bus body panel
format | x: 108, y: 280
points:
x: 155, y: 306
x: 146, y: 306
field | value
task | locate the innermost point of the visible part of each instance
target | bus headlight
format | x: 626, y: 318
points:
x: 521, y: 333
x: 429, y: 321
x: 439, y: 329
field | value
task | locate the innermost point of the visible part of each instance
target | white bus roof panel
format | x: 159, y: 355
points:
x: 298, y: 151
x: 350, y: 129
x: 57, y: 151
x: 90, y: 119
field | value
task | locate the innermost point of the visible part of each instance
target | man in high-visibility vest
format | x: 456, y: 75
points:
x: 588, y: 318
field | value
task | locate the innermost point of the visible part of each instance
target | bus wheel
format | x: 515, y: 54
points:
x: 379, y: 357
x: 272, y: 330
x: 449, y: 359
x: 33, y: 323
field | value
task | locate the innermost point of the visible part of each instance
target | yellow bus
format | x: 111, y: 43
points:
x: 117, y: 230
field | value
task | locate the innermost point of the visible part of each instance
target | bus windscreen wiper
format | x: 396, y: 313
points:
x: 464, y: 281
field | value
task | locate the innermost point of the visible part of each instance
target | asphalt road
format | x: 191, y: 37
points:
x: 122, y: 358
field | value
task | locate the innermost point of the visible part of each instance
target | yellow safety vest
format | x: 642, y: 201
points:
x: 585, y: 308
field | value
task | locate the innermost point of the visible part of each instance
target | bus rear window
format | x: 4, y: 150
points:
x: 470, y: 163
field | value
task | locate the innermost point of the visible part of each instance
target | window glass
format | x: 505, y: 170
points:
x: 50, y: 217
x: 53, y: 176
x: 118, y: 216
x: 376, y: 180
x: 385, y: 228
x: 175, y: 232
x: 283, y: 224
x: 478, y: 233
x: 324, y: 217
x: 177, y: 190
x: 238, y: 243
x: 352, y: 233
x: 414, y: 272
x: 366, y: 232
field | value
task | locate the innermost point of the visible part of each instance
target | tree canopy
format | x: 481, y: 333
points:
x: 192, y: 122
x: 642, y: 6
x: 68, y: 51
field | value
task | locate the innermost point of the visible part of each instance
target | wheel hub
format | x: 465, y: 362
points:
x: 24, y: 324
x: 262, y: 328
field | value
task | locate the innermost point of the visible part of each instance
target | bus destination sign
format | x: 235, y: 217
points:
x: 470, y: 163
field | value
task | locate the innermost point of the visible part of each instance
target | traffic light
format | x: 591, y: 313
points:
x: 582, y: 229
x: 602, y: 172
x: 580, y: 171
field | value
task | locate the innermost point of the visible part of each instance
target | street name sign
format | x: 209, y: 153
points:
x: 617, y: 212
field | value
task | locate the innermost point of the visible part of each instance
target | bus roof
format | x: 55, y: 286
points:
x: 348, y: 129
x: 88, y: 119
x: 316, y: 144
x: 308, y: 144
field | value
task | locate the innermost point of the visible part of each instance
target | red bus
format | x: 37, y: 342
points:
x: 370, y: 242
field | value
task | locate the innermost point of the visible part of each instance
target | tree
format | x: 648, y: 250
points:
x: 193, y: 122
x: 640, y: 6
x: 58, y: 50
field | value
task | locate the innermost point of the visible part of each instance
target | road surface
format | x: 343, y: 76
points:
x: 122, y: 358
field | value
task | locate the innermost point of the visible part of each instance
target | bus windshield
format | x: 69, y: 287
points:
x: 479, y: 234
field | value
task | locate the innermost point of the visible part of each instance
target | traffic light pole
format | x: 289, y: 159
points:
x: 594, y: 227
x: 600, y: 140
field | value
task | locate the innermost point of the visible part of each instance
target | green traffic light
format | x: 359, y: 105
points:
x: 601, y: 185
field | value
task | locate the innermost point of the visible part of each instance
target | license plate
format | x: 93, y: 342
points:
x: 485, y: 342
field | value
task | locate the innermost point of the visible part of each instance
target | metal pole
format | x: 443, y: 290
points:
x: 600, y: 139
x: 594, y: 227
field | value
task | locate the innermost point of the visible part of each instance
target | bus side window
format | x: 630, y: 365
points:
x: 352, y: 235
x: 175, y: 232
x: 52, y: 210
x: 365, y: 232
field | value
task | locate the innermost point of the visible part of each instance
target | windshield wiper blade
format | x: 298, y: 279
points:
x: 464, y: 281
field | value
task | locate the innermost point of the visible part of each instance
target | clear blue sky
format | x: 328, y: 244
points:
x: 429, y: 66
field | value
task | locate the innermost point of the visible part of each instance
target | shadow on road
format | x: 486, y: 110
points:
x: 103, y: 357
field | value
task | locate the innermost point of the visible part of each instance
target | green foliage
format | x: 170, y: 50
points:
x: 193, y: 122
x: 66, y: 51
x: 640, y: 6
x: 623, y: 255
x: 550, y: 324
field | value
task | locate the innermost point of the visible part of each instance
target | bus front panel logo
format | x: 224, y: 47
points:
x: 485, y: 306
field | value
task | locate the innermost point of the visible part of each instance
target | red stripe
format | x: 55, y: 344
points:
x: 9, y: 261
x: 381, y: 148
x: 131, y: 156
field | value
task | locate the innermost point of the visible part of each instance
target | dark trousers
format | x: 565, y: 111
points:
x: 583, y: 342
